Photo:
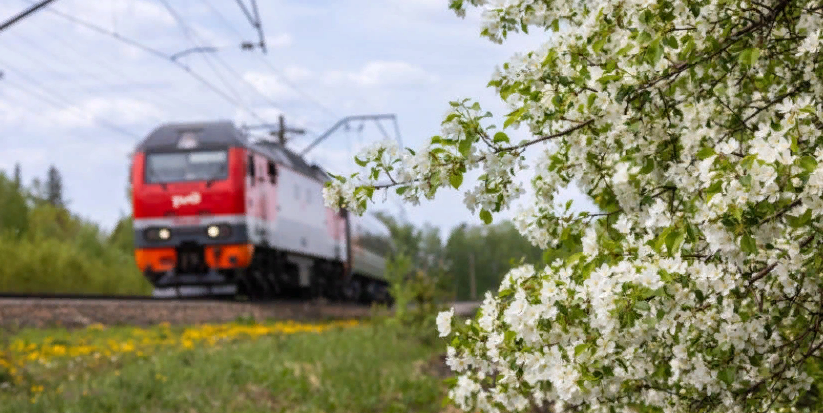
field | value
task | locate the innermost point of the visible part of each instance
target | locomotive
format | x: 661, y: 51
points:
x: 218, y: 215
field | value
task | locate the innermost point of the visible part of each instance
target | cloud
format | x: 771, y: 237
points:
x: 279, y: 41
x: 269, y: 85
x: 120, y: 111
x: 298, y: 73
x: 121, y: 13
x: 382, y: 73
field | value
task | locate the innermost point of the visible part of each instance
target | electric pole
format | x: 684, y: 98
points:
x: 25, y: 13
x: 279, y: 130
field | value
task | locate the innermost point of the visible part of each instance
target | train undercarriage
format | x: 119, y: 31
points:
x: 272, y: 274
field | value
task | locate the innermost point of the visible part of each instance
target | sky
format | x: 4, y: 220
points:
x: 81, y: 100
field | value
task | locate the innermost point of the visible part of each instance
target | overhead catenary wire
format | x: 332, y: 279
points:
x: 156, y: 53
x: 55, y: 97
x: 206, y: 57
x: 168, y: 101
x: 271, y: 67
x: 164, y: 99
x: 51, y: 70
x: 188, y: 31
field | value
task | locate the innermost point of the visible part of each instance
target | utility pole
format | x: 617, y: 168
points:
x: 279, y: 130
x: 25, y: 13
x: 472, y: 282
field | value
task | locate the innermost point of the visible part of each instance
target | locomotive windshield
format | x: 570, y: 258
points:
x: 186, y: 166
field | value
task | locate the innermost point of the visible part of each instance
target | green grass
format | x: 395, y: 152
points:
x: 366, y: 368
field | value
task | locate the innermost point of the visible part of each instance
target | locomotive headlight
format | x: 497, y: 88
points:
x: 164, y: 233
x: 213, y: 231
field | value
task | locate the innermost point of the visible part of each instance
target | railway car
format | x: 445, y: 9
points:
x: 217, y: 214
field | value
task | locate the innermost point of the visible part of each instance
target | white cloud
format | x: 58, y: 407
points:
x: 121, y: 13
x: 298, y: 73
x: 384, y: 73
x: 120, y: 111
x: 279, y: 41
x: 269, y: 85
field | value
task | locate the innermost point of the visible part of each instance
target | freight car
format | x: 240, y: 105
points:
x: 217, y: 214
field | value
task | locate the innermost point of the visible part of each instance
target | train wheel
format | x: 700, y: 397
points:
x: 354, y: 290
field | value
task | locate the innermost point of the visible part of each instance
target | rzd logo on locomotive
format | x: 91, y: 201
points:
x: 190, y: 199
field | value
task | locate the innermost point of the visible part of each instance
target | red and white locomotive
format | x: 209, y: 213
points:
x: 215, y: 214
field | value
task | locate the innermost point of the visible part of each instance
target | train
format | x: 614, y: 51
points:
x: 216, y: 214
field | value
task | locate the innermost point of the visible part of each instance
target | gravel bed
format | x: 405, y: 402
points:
x: 18, y: 313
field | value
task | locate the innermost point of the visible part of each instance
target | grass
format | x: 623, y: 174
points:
x: 329, y: 367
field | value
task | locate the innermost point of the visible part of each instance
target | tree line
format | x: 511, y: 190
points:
x: 484, y: 253
x: 46, y: 248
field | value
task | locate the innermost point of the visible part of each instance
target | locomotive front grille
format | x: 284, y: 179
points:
x: 191, y: 259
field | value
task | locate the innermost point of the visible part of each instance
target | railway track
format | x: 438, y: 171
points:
x: 81, y: 310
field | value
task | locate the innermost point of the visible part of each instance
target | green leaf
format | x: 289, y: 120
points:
x: 746, y: 181
x: 359, y: 162
x: 661, y: 239
x: 607, y: 78
x: 706, y: 152
x: 598, y: 45
x: 755, y: 53
x: 476, y: 106
x: 749, y: 56
x: 673, y: 240
x: 514, y: 116
x: 592, y: 98
x: 401, y: 190
x: 648, y: 166
x: 642, y: 305
x: 713, y: 189
x: 456, y: 180
x: 797, y: 222
x: 748, y: 244
x: 808, y: 163
x: 464, y: 146
x: 580, y: 348
x: 656, y: 50
x: 501, y: 137
x: 486, y: 216
x: 726, y: 375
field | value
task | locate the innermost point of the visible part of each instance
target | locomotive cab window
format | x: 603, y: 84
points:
x: 163, y: 167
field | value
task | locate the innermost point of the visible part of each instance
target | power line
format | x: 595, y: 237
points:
x: 163, y: 99
x: 186, y: 32
x: 48, y: 67
x: 24, y: 13
x: 57, y: 97
x: 188, y: 29
x: 156, y: 53
x: 280, y: 74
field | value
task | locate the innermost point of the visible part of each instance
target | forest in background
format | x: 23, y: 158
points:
x: 47, y: 248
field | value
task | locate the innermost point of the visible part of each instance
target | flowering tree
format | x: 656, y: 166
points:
x: 695, y: 126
